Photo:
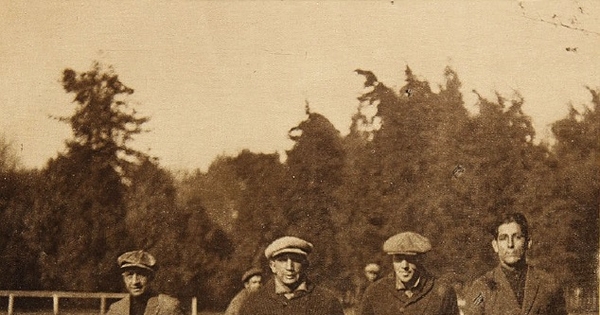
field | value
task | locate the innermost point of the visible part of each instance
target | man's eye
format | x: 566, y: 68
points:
x: 503, y: 237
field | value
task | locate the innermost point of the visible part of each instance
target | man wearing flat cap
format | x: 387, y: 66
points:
x: 137, y: 269
x: 290, y: 292
x: 372, y: 274
x: 410, y: 289
x: 252, y: 282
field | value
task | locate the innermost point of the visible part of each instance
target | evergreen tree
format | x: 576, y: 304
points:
x: 78, y: 222
x: 577, y: 188
x: 314, y: 172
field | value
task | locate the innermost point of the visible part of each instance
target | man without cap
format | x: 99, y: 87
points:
x: 137, y: 269
x: 514, y: 287
x: 410, y: 289
x: 290, y: 292
x: 252, y: 282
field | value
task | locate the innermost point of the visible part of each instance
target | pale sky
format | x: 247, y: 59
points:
x: 219, y: 77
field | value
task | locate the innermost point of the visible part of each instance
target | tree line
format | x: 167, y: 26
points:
x: 414, y: 159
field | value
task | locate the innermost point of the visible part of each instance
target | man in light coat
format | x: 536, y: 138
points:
x: 252, y: 280
x: 514, y: 287
x: 137, y: 269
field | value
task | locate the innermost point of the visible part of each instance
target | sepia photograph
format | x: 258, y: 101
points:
x: 299, y: 157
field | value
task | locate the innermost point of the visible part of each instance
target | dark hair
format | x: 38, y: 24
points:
x: 511, y: 217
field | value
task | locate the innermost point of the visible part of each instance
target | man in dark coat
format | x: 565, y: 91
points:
x: 372, y: 274
x: 290, y: 292
x: 514, y: 287
x: 410, y: 289
x: 137, y: 268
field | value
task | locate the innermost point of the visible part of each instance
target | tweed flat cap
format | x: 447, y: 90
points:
x: 137, y: 258
x: 372, y: 267
x: 407, y: 243
x: 251, y: 273
x: 288, y: 244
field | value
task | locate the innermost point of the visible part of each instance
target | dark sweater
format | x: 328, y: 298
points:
x: 429, y: 297
x: 315, y: 301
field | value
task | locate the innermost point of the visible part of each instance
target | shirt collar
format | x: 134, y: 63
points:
x: 401, y: 286
x: 281, y: 288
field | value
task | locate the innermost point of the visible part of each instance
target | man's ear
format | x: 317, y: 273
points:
x: 495, y: 246
x: 272, y: 266
x: 529, y: 244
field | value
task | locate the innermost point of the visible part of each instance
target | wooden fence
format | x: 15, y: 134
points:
x: 56, y: 296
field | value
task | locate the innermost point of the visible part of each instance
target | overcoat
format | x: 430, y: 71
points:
x: 314, y: 301
x: 157, y: 305
x: 491, y: 294
x: 429, y: 297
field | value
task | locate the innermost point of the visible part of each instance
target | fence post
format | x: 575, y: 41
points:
x: 102, y: 305
x: 194, y: 306
x: 11, y: 303
x: 55, y: 303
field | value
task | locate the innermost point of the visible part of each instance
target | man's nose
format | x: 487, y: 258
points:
x: 403, y: 264
x: 135, y: 278
x: 511, y: 242
x: 289, y: 264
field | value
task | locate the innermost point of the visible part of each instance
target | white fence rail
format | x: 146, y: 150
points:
x: 57, y: 295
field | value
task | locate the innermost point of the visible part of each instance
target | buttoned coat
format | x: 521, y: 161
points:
x: 492, y: 294
x: 157, y: 305
x: 314, y: 301
x: 429, y: 297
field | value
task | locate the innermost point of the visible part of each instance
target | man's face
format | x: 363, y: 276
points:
x: 253, y: 283
x: 510, y: 245
x: 136, y: 281
x: 406, y: 267
x: 371, y: 275
x: 288, y: 267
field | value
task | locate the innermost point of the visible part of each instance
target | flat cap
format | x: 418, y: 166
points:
x: 407, y: 243
x: 288, y: 244
x: 251, y: 273
x: 372, y: 267
x: 137, y: 258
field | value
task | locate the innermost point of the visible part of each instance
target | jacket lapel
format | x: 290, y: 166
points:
x: 532, y: 285
x: 425, y: 285
x: 152, y: 306
x: 391, y: 286
x: 124, y: 306
x: 505, y: 289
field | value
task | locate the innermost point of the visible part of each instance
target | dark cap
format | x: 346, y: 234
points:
x: 137, y: 258
x: 288, y: 244
x: 406, y: 243
x: 251, y: 273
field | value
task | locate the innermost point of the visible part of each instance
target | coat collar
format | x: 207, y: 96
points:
x: 423, y: 287
x: 270, y: 290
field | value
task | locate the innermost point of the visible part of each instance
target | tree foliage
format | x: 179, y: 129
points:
x: 415, y: 159
x: 77, y: 225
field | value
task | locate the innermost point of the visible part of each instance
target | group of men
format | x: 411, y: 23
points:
x: 513, y: 287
